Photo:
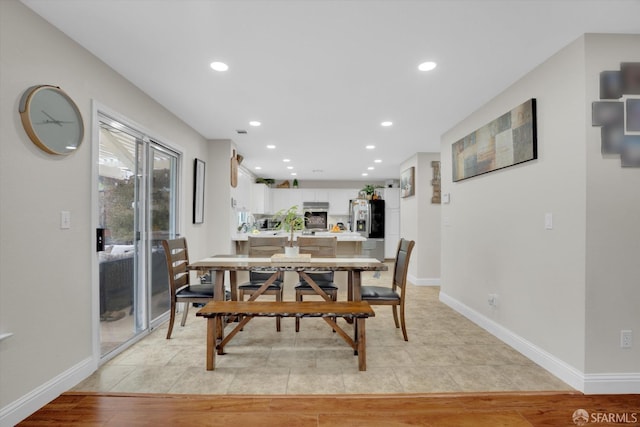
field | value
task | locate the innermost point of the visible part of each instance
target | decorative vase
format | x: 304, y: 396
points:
x: 291, y: 251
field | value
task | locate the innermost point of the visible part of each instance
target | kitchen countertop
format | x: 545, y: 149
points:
x: 345, y: 236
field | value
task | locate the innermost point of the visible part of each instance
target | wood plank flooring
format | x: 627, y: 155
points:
x: 76, y: 409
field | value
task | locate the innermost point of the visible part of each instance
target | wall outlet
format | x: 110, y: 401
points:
x: 626, y: 338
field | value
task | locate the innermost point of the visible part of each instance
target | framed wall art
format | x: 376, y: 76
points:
x: 198, y: 192
x: 506, y: 141
x: 407, y: 182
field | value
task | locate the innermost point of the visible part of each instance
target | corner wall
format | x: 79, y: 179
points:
x: 420, y: 221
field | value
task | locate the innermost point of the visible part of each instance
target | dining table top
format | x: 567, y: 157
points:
x: 245, y: 262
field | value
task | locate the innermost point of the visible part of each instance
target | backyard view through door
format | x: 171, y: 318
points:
x: 137, y: 196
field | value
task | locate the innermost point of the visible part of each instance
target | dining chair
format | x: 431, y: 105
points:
x: 318, y: 247
x: 394, y: 295
x: 264, y: 247
x: 180, y: 287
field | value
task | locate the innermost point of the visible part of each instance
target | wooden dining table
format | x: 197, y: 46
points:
x: 219, y: 264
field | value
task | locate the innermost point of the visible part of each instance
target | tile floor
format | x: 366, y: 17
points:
x: 445, y: 353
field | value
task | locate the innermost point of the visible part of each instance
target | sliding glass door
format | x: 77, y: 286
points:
x: 137, y: 187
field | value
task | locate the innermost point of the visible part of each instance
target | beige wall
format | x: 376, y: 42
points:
x: 420, y: 221
x: 563, y: 293
x: 48, y: 276
x: 613, y: 229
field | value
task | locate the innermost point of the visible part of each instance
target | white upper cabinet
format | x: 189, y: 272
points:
x: 242, y: 192
x: 284, y: 198
x: 339, y: 200
x: 260, y: 199
x: 392, y: 198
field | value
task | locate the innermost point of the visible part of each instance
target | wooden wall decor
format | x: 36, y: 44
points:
x: 435, y: 182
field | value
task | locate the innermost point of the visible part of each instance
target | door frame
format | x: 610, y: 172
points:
x: 96, y: 109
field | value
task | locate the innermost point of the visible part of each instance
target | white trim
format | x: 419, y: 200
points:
x: 423, y: 282
x: 20, y: 409
x: 612, y: 383
x: 586, y: 383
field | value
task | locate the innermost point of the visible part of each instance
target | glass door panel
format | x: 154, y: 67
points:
x: 118, y: 189
x: 162, y: 220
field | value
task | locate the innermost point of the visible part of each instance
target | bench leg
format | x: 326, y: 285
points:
x: 212, y: 333
x: 362, y: 344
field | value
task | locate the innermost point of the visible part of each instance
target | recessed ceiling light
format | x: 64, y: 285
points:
x: 258, y: 168
x: 219, y: 66
x: 271, y: 146
x: 254, y: 123
x: 293, y: 174
x: 370, y: 168
x: 364, y: 174
x: 289, y: 167
x: 386, y: 124
x: 427, y: 66
x: 377, y: 161
x: 286, y: 160
x: 370, y: 147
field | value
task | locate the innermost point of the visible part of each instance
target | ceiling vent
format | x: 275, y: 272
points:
x: 241, y: 131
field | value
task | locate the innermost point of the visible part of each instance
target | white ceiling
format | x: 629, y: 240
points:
x: 322, y: 75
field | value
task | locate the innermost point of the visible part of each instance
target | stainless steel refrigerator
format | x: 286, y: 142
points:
x: 367, y: 218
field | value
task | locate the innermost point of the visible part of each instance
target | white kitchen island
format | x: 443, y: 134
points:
x: 349, y: 243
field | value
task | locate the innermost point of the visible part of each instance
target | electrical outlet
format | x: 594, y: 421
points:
x: 626, y: 338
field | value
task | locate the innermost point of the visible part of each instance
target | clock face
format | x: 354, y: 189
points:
x: 52, y: 120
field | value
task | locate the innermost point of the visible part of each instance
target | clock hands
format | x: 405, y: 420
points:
x: 52, y: 120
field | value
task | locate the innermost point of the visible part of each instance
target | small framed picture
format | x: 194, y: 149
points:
x: 198, y: 192
x: 407, y: 182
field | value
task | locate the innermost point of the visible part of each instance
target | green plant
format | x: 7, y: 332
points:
x: 369, y: 189
x: 290, y: 220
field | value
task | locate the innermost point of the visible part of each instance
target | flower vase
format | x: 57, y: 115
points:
x: 291, y: 251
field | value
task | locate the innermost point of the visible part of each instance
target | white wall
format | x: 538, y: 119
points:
x: 420, y: 221
x: 48, y: 283
x: 546, y: 279
x: 613, y: 230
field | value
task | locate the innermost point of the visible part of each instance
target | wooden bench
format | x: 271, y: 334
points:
x: 216, y: 311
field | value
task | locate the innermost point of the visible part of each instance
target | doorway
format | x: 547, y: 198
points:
x: 137, y: 209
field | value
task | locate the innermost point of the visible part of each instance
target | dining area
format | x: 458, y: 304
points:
x: 313, y: 270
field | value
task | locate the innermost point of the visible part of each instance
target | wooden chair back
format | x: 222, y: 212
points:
x: 403, y: 254
x: 177, y: 255
x: 266, y: 246
x: 319, y: 247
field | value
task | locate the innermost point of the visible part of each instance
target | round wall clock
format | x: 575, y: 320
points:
x: 51, y: 119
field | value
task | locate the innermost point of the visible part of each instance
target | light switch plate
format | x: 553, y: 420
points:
x: 65, y: 220
x: 548, y: 221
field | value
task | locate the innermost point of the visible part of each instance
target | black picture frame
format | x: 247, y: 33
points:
x: 198, y: 191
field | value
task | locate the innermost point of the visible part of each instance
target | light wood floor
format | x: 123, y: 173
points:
x: 468, y: 409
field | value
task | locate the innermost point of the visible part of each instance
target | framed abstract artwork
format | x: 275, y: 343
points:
x: 506, y: 141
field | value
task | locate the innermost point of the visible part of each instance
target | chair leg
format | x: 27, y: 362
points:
x: 279, y: 299
x: 172, y: 318
x: 395, y: 315
x: 298, y: 298
x: 184, y: 314
x: 404, y: 326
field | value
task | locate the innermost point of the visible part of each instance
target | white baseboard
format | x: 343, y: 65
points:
x: 20, y: 409
x: 423, y: 282
x: 586, y: 383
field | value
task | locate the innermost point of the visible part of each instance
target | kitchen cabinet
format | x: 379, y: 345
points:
x: 339, y: 200
x: 284, y: 198
x: 260, y: 199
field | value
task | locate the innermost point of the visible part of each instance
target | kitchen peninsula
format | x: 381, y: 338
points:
x: 349, y: 243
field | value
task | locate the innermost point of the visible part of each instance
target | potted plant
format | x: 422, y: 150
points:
x: 291, y: 222
x: 368, y: 190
